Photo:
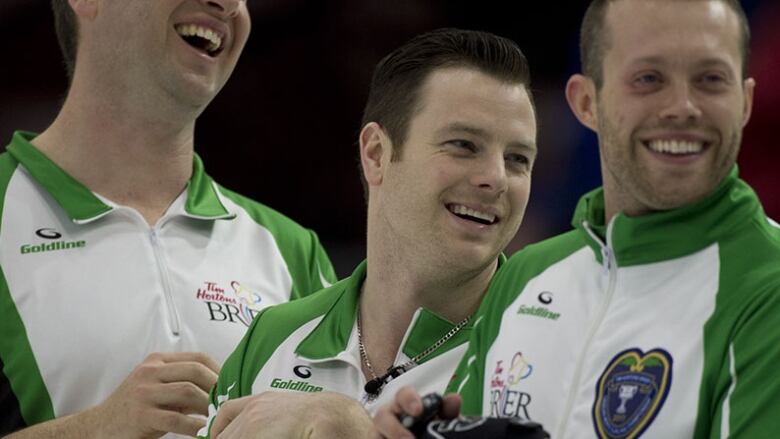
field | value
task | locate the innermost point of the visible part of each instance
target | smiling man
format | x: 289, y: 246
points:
x: 447, y: 147
x: 128, y: 273
x: 659, y: 315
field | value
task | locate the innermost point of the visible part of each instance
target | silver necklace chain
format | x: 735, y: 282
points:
x: 414, y: 361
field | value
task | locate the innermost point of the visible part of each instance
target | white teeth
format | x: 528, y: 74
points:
x: 188, y: 30
x: 676, y: 146
x: 463, y: 210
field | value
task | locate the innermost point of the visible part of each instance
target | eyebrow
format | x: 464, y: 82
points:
x: 460, y: 127
x: 707, y: 62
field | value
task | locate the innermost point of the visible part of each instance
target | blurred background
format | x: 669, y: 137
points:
x: 283, y: 130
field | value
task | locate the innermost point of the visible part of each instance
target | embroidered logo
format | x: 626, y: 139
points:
x: 505, y: 398
x: 630, y: 393
x: 237, y: 305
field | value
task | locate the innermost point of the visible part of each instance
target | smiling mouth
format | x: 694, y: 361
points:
x: 675, y: 147
x: 201, y: 38
x: 469, y: 214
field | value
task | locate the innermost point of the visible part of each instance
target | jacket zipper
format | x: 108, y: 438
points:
x: 609, y: 269
x: 173, y: 315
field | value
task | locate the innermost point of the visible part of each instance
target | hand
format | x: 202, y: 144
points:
x: 157, y: 397
x: 408, y: 401
x: 292, y: 415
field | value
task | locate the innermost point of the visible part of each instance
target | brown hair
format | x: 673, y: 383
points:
x: 393, y: 97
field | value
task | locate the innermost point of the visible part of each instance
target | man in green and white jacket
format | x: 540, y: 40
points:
x: 448, y: 178
x: 128, y: 274
x: 659, y: 314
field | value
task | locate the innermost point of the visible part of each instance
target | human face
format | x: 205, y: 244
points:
x: 153, y: 46
x: 673, y: 103
x: 457, y: 194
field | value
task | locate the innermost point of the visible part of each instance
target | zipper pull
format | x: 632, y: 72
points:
x: 606, y: 258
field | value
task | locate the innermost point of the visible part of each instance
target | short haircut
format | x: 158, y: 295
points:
x: 394, y: 95
x: 66, y: 26
x: 594, y: 38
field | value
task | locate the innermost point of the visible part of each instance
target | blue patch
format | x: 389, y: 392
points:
x: 630, y: 393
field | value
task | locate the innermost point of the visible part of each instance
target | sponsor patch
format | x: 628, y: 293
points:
x: 235, y: 305
x: 630, y: 393
x: 506, y: 398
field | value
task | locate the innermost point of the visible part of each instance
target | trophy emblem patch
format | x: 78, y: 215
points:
x: 630, y: 393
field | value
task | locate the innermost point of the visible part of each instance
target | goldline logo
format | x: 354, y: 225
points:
x: 302, y: 371
x: 538, y: 311
x: 301, y: 386
x: 52, y: 234
x: 48, y: 234
x: 545, y: 297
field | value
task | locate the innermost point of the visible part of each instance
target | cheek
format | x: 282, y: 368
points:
x: 519, y: 194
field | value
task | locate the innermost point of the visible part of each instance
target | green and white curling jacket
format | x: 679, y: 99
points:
x: 311, y: 345
x: 88, y: 289
x: 660, y: 326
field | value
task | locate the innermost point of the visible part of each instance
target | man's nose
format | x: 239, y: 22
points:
x: 227, y: 8
x: 681, y: 104
x: 490, y: 173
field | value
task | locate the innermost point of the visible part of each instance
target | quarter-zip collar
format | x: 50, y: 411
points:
x: 82, y: 206
x: 668, y: 234
x: 331, y: 336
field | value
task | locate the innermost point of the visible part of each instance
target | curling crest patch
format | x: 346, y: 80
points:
x: 630, y: 393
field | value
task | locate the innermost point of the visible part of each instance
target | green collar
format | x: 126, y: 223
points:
x: 669, y: 234
x: 331, y: 336
x: 81, y: 205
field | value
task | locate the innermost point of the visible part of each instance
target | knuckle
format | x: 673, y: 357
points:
x: 146, y: 371
x: 153, y: 357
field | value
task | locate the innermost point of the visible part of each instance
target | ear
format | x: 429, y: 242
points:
x: 84, y: 8
x: 581, y: 96
x: 748, y: 89
x: 375, y: 151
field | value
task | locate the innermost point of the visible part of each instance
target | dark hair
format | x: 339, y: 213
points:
x: 393, y: 98
x: 66, y: 26
x: 594, y: 38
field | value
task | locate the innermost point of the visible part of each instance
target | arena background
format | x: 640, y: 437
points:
x: 284, y: 129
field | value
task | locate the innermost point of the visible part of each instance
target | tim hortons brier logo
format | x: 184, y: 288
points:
x: 506, y: 401
x: 236, y: 305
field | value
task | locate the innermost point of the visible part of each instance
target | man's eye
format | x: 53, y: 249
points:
x: 518, y: 159
x: 713, y: 79
x: 648, y: 79
x: 463, y: 144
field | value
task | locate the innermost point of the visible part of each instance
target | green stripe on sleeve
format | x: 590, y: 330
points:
x: 19, y: 365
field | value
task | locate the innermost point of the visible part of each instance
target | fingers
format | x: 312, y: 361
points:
x: 450, y: 406
x: 189, y: 371
x: 406, y: 401
x: 177, y: 357
x: 183, y: 397
x: 174, y: 422
x: 175, y: 381
x: 227, y: 413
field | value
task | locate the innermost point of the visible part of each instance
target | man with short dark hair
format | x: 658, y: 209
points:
x: 447, y: 148
x: 115, y: 244
x: 659, y: 315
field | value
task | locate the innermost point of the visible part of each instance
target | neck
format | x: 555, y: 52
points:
x: 395, y: 288
x: 129, y: 154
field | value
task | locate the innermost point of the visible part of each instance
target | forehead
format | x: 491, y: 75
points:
x: 672, y: 31
x: 466, y: 95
